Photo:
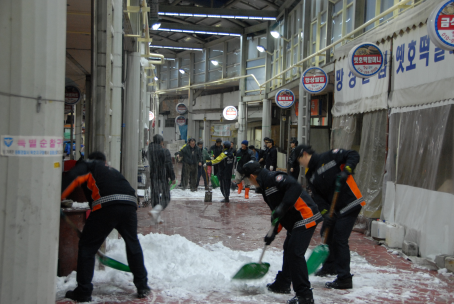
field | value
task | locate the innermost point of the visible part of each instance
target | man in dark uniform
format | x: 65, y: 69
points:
x: 293, y: 209
x: 214, y: 152
x: 294, y: 167
x: 161, y: 171
x: 114, y: 206
x: 262, y: 153
x: 225, y: 161
x: 192, y: 159
x: 243, y: 156
x: 323, y: 170
x: 271, y: 156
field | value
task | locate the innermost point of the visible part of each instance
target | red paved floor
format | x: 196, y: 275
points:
x: 241, y: 225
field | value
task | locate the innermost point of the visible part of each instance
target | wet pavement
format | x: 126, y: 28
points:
x: 242, y: 224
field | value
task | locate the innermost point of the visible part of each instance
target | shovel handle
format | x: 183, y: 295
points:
x: 333, y: 206
x: 270, y: 232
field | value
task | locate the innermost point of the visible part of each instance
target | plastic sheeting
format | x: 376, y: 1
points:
x: 344, y: 131
x: 419, y: 182
x: 370, y: 170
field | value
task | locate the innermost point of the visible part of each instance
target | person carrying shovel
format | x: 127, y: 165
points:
x: 113, y: 206
x: 292, y: 209
x: 322, y: 171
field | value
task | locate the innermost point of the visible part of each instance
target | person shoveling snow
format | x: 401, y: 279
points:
x: 114, y: 206
x: 294, y: 210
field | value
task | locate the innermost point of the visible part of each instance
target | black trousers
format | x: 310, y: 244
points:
x: 190, y: 173
x: 202, y: 174
x: 225, y: 181
x: 294, y: 268
x: 98, y: 226
x: 339, y: 251
x: 296, y: 172
x: 160, y: 193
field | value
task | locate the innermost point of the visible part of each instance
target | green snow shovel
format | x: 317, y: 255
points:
x: 254, y: 271
x: 214, y: 181
x: 321, y: 252
x: 103, y: 259
x: 174, y: 185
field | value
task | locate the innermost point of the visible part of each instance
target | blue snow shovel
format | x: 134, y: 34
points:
x: 103, y: 259
x: 321, y: 252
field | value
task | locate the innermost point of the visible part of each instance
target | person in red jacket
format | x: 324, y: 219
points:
x: 114, y: 206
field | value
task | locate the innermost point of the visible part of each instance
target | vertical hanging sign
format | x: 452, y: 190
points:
x: 440, y: 25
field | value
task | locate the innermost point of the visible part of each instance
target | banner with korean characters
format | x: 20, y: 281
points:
x: 13, y: 145
x: 422, y: 73
x: 358, y: 95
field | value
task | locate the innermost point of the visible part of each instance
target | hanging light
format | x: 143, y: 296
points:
x: 275, y: 34
x: 182, y: 71
x: 261, y: 48
x: 215, y: 62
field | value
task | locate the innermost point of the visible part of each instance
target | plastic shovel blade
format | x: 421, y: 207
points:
x: 174, y: 185
x: 214, y: 181
x: 317, y: 258
x: 252, y: 271
x: 109, y: 262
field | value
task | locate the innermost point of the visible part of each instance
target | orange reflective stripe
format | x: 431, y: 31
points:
x: 279, y: 228
x: 311, y: 224
x: 91, y: 184
x: 354, y: 187
x: 75, y: 183
x: 303, y: 208
x: 97, y: 207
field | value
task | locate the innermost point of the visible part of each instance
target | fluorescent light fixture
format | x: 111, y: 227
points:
x: 156, y: 78
x: 216, y: 16
x: 261, y: 48
x: 156, y: 26
x: 182, y: 71
x: 174, y: 48
x: 275, y: 34
x: 215, y: 62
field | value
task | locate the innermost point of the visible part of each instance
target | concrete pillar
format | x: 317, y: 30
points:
x: 30, y: 187
x: 102, y: 72
x: 88, y: 116
x: 207, y: 134
x: 191, y: 123
x: 161, y: 128
x: 242, y: 135
x: 142, y: 115
x: 115, y: 127
x: 266, y: 119
x: 78, y: 131
x: 130, y: 155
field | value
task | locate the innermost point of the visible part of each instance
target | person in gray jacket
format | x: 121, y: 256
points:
x: 192, y: 159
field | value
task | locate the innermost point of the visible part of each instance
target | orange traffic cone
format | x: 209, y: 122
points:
x: 240, y: 187
x: 246, y: 194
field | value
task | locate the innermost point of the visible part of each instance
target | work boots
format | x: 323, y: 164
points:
x: 345, y: 283
x: 225, y: 200
x: 278, y: 288
x: 143, y: 293
x: 76, y: 296
x: 246, y: 194
x: 240, y: 187
x: 322, y: 272
x: 301, y: 300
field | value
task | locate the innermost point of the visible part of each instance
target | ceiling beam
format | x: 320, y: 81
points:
x: 273, y: 5
x: 76, y: 63
x: 168, y: 18
x: 175, y: 2
x: 178, y: 44
x: 217, y: 11
x: 161, y: 37
x: 231, y: 4
x: 204, y: 28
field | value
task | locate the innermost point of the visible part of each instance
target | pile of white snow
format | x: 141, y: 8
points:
x: 180, y: 269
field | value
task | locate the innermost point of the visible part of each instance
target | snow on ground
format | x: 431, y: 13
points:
x: 181, y: 269
x: 217, y: 195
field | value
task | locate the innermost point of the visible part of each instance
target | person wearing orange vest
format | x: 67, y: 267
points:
x: 293, y: 209
x: 322, y: 170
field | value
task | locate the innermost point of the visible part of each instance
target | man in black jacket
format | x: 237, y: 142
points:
x: 214, y: 152
x: 114, y: 206
x: 293, y: 209
x: 323, y: 170
x: 161, y: 172
x: 294, y: 167
x: 243, y: 156
x: 262, y: 153
x: 192, y: 158
x: 271, y: 156
x: 225, y: 161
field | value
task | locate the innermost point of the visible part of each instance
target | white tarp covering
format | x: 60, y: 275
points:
x: 420, y: 175
x: 421, y: 72
x: 357, y: 95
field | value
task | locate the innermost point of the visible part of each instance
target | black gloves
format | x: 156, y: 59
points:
x: 343, y: 175
x: 329, y: 221
x: 270, y: 238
